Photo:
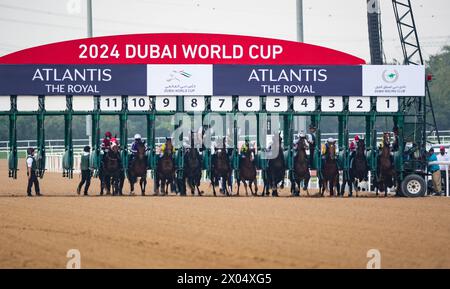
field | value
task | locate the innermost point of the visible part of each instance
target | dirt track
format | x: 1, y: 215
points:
x: 238, y: 232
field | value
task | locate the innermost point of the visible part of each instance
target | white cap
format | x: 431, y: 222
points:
x: 137, y: 136
x: 302, y: 134
x: 330, y: 139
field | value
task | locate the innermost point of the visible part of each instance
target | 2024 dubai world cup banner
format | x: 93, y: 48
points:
x: 199, y: 64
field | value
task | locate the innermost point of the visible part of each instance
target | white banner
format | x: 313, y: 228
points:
x: 182, y: 79
x: 393, y: 80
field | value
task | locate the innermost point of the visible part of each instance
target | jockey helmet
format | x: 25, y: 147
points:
x: 442, y: 148
x: 356, y: 138
x: 352, y: 146
x: 108, y: 134
x: 330, y: 140
x: 137, y: 136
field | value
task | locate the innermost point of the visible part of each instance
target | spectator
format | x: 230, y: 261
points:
x: 435, y: 172
x: 443, y: 157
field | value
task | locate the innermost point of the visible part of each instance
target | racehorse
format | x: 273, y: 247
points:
x: 221, y: 168
x: 385, y: 167
x: 138, y: 169
x: 111, y: 172
x: 301, y: 169
x: 359, y: 168
x: 247, y: 172
x: 193, y: 168
x: 330, y: 171
x: 165, y: 170
x: 276, y: 171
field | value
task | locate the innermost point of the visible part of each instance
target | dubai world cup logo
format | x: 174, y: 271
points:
x: 390, y: 76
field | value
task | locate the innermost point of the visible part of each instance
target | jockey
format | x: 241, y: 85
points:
x: 134, y: 145
x: 311, y: 143
x: 163, y: 148
x: 106, y: 143
x: 244, y: 148
x: 356, y: 141
x: 325, y: 146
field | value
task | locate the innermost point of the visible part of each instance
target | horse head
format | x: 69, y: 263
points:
x: 331, y: 150
x: 169, y: 147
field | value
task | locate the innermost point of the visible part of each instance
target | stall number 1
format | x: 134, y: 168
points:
x: 387, y: 104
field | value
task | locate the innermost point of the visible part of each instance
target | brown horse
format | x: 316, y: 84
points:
x: 165, y: 169
x: 276, y: 170
x: 247, y: 172
x: 193, y: 168
x: 330, y: 171
x: 111, y: 172
x: 301, y: 169
x: 359, y: 168
x: 138, y: 169
x: 385, y: 167
x: 221, y: 168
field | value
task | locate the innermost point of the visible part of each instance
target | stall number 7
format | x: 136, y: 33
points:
x: 166, y: 103
x: 221, y: 103
x: 110, y: 103
x: 332, y: 103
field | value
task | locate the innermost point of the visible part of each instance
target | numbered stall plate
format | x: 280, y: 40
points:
x: 110, y: 103
x: 5, y: 103
x: 221, y: 103
x: 306, y: 103
x: 138, y: 103
x: 359, y: 104
x: 166, y: 103
x: 332, y: 103
x: 276, y: 103
x: 387, y: 104
x: 249, y: 103
x: 83, y: 103
x: 27, y: 103
x: 194, y: 103
x: 55, y: 103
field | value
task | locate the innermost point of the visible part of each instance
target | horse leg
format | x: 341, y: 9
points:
x: 245, y: 187
x: 143, y: 184
x: 131, y: 180
x: 256, y: 187
x: 213, y: 181
x: 239, y: 185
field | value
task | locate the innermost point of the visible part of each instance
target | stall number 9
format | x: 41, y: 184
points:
x: 166, y: 103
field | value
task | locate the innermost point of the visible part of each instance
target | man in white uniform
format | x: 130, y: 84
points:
x: 443, y: 157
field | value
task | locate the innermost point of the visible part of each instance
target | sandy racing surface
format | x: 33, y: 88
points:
x: 208, y: 232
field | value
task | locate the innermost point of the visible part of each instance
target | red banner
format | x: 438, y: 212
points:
x: 181, y: 48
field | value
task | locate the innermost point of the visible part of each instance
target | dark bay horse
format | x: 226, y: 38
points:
x: 193, y: 168
x: 359, y: 168
x: 112, y: 172
x: 138, y: 169
x: 247, y: 172
x: 165, y: 170
x: 301, y: 169
x: 221, y: 169
x: 276, y: 170
x: 330, y: 171
x: 386, y: 173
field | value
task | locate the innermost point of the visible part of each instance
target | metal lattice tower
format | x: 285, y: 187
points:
x: 419, y: 111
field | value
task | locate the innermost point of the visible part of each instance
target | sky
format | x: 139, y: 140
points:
x: 340, y: 25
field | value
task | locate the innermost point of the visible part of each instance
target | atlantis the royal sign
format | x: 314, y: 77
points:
x: 287, y: 80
